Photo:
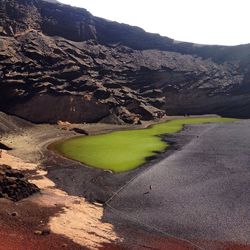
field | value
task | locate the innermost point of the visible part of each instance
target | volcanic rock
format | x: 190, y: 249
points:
x: 14, y: 185
x: 80, y: 131
x: 61, y: 63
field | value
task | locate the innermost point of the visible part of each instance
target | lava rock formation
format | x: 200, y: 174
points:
x: 14, y: 185
x: 58, y: 62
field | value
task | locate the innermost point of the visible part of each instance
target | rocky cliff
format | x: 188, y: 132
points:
x: 61, y: 63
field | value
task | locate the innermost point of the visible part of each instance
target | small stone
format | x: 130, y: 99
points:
x: 14, y: 214
x: 43, y: 232
x: 38, y: 232
x: 46, y: 232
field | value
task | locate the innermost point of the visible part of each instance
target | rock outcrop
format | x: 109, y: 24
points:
x: 61, y: 63
x: 13, y: 184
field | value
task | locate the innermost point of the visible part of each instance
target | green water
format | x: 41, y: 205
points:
x: 121, y: 151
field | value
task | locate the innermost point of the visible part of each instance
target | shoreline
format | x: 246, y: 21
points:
x: 29, y: 154
x: 55, y: 146
x: 73, y: 189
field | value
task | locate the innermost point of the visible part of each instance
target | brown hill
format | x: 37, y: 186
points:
x: 61, y: 63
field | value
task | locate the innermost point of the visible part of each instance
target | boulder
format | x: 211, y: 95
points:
x: 79, y: 131
x: 14, y: 185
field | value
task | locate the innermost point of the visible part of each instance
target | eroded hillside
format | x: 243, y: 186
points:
x: 62, y: 63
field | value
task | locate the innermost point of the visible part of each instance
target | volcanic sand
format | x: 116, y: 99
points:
x: 199, y: 192
x: 74, y: 222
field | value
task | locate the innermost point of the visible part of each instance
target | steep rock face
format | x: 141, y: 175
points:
x: 52, y: 108
x: 61, y: 63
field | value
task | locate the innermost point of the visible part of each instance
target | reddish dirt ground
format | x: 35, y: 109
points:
x: 217, y: 245
x: 20, y: 220
x: 18, y: 232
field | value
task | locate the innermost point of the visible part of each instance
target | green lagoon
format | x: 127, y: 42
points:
x: 121, y: 151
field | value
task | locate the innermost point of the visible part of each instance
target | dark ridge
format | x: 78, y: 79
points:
x: 4, y: 147
x: 59, y: 62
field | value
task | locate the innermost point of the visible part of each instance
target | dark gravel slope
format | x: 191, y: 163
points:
x: 200, y: 192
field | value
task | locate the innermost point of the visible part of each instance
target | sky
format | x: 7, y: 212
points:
x: 224, y: 22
